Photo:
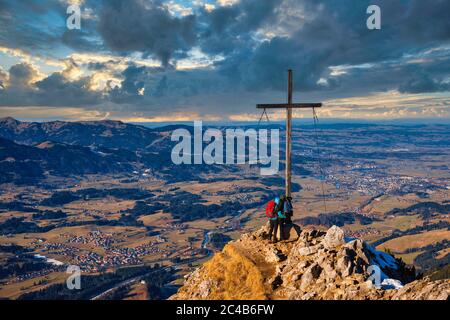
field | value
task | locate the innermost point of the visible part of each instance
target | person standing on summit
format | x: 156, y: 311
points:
x: 272, y: 215
x: 282, y: 216
x: 275, y: 211
x: 285, y: 222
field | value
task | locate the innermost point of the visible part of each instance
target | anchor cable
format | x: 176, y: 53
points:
x: 316, y: 120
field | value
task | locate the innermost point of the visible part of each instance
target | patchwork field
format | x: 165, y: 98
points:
x: 398, y: 245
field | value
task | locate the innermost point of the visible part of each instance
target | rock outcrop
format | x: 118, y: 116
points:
x: 316, y: 265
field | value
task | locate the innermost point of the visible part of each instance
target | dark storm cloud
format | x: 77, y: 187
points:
x: 133, y: 82
x: 159, y: 82
x: 40, y: 26
x: 3, y: 8
x: 335, y: 33
x: 421, y: 77
x: 425, y: 22
x: 66, y: 92
x: 147, y: 27
x: 86, y: 38
x: 309, y: 50
x: 24, y: 25
x: 424, y: 83
x: 21, y: 75
x: 227, y: 29
x: 81, y: 40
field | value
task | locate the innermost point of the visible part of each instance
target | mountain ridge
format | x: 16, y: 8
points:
x: 108, y: 147
x: 22, y: 163
x: 103, y: 133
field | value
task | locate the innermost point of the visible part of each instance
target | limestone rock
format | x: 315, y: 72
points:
x: 424, y: 290
x: 334, y: 238
x: 204, y: 288
x: 306, y: 251
x: 273, y: 255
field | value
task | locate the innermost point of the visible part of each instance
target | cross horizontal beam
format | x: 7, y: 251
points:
x: 289, y: 106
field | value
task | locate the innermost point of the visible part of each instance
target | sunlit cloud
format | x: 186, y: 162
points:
x: 177, y: 9
x: 24, y: 56
x: 388, y: 105
x: 225, y: 3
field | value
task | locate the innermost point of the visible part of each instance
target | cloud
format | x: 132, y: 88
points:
x: 391, y: 104
x: 225, y: 3
x: 25, y: 88
x: 22, y: 75
x: 424, y: 84
x: 66, y: 92
x: 3, y: 79
x: 333, y: 34
x: 177, y: 9
x: 147, y: 27
x: 40, y: 26
x: 229, y: 28
x: 152, y: 89
x: 19, y: 21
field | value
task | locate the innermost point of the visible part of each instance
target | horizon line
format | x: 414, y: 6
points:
x: 428, y: 120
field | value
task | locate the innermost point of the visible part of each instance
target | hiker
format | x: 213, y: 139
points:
x: 282, y: 216
x: 288, y: 209
x: 289, y: 212
x: 272, y: 214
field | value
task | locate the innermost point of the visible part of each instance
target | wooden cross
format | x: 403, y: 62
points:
x: 289, y: 106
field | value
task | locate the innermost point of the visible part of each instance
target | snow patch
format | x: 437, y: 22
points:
x: 389, y: 283
x: 384, y: 260
x: 49, y: 260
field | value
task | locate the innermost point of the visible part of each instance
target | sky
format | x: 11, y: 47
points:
x: 184, y: 60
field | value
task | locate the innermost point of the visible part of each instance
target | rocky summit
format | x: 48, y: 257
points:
x: 312, y: 265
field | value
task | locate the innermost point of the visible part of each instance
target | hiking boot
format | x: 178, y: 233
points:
x: 274, y: 240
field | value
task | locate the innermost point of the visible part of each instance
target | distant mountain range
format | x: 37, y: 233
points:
x: 23, y: 164
x: 105, y: 134
x: 31, y: 150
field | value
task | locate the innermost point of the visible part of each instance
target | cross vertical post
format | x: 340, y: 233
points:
x: 289, y: 136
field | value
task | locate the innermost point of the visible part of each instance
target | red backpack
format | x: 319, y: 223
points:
x: 270, y: 208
